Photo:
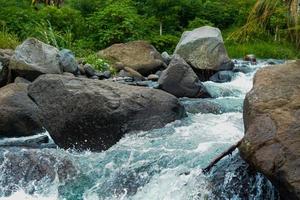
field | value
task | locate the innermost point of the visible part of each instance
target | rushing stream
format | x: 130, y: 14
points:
x: 159, y: 164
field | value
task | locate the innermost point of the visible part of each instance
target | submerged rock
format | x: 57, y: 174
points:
x: 19, y: 115
x: 33, y: 58
x: 93, y: 114
x: 215, y: 106
x: 180, y: 80
x: 138, y: 55
x: 272, y: 129
x: 30, y: 169
x: 222, y: 77
x: 233, y: 178
x: 204, y: 49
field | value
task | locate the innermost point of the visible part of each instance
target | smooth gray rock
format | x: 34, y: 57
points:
x: 166, y: 57
x: 180, y: 80
x: 95, y: 114
x: 67, y: 61
x: 204, y: 49
x: 33, y: 58
x: 19, y: 115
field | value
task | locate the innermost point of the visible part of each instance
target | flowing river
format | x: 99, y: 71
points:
x: 161, y: 164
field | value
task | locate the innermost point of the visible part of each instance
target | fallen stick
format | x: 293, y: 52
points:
x: 218, y: 158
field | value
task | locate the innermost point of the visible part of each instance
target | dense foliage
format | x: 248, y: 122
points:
x: 88, y: 26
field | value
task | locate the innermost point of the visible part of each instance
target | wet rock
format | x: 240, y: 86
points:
x: 81, y: 69
x: 31, y: 168
x: 22, y: 80
x: 204, y: 49
x: 104, y: 75
x: 35, y: 141
x: 33, y: 58
x: 166, y: 57
x: 251, y: 58
x: 233, y: 178
x: 89, y: 70
x: 153, y: 77
x: 68, y: 74
x: 274, y: 62
x: 94, y: 77
x: 180, y: 80
x: 243, y: 68
x: 271, y: 115
x: 19, y: 115
x: 138, y: 55
x: 222, y: 77
x: 67, y: 61
x: 134, y: 74
x: 215, y: 106
x: 104, y: 111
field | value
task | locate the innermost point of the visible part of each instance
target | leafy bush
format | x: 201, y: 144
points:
x: 19, y: 20
x: 197, y: 22
x: 64, y: 19
x: 98, y: 63
x: 164, y: 42
x: 115, y: 24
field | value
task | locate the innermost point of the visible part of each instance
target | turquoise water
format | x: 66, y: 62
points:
x: 162, y: 164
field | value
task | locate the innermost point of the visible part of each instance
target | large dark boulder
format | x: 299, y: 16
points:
x: 138, y: 55
x: 94, y: 114
x: 19, y: 116
x: 180, y: 80
x: 204, y: 49
x: 33, y: 58
x: 272, y: 127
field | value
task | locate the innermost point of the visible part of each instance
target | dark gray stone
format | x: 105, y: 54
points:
x: 94, y: 114
x: 180, y: 80
x: 89, y: 70
x: 67, y: 61
x: 19, y: 115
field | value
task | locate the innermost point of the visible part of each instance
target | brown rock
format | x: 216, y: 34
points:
x: 138, y: 55
x: 272, y: 127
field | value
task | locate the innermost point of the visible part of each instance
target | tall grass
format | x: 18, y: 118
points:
x: 262, y: 49
x: 8, y: 40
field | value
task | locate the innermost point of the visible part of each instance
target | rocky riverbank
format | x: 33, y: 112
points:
x: 43, y: 88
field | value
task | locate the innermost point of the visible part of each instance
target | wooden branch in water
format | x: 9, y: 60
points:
x: 218, y: 158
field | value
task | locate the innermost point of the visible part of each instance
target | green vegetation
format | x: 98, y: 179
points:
x: 267, y: 28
